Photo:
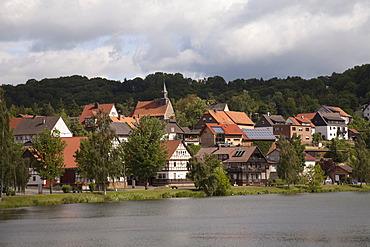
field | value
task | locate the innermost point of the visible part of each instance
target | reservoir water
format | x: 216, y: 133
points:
x: 326, y: 219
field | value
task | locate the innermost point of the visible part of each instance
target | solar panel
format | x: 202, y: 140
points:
x: 218, y: 129
x: 259, y: 134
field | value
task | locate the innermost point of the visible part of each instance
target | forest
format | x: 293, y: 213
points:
x: 348, y: 90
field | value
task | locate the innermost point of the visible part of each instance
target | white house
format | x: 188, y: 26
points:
x: 330, y: 125
x: 27, y: 128
x: 175, y: 171
x: 367, y: 111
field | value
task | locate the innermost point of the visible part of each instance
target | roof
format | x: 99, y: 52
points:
x: 220, y: 117
x: 152, y: 108
x: 345, y: 167
x: 73, y: 144
x: 332, y: 116
x: 132, y: 122
x: 91, y: 110
x: 206, y: 150
x: 239, y: 117
x: 334, y: 109
x: 309, y: 116
x: 294, y: 121
x: 227, y: 129
x: 354, y: 131
x: 32, y: 126
x: 241, y: 154
x: 259, y: 134
x: 308, y: 157
x: 218, y: 106
x: 173, y: 127
x: 14, y: 122
x: 121, y: 128
x: 171, y: 146
x: 303, y: 120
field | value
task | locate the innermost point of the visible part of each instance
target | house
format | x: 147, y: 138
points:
x: 174, y: 131
x: 221, y: 135
x: 293, y: 127
x: 332, y: 109
x: 330, y: 125
x: 219, y: 107
x: 174, y: 173
x: 27, y: 128
x: 274, y: 156
x: 366, y: 111
x: 90, y: 111
x: 161, y: 109
x: 130, y: 121
x: 244, y: 165
x: 302, y: 120
x: 191, y: 137
x: 122, y: 130
x: 340, y: 172
x: 267, y: 121
x: 353, y: 134
x: 225, y: 117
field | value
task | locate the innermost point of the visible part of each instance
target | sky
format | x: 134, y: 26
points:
x: 118, y: 39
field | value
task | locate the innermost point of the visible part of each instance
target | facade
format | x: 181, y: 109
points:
x: 366, y: 111
x: 268, y: 121
x: 330, y: 125
x: 221, y: 135
x: 175, y: 171
x: 288, y: 130
x: 122, y: 130
x: 27, y: 128
x: 332, y: 109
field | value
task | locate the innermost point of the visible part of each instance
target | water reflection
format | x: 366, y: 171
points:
x: 339, y: 219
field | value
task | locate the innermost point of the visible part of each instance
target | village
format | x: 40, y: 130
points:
x: 248, y: 150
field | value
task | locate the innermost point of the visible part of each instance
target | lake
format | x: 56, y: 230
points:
x: 324, y: 219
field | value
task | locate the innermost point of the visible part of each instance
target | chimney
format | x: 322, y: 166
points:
x: 96, y: 105
x: 43, y: 121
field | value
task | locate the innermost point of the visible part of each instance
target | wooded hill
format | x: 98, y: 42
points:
x: 282, y: 96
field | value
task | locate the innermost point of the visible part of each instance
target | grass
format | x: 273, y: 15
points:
x: 157, y: 193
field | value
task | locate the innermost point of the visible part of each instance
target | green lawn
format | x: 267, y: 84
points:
x: 156, y: 193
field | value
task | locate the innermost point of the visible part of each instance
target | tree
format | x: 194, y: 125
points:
x: 360, y: 160
x: 209, y: 175
x: 97, y: 159
x: 244, y: 102
x: 189, y: 110
x: 48, y: 148
x: 144, y: 151
x: 13, y: 168
x: 291, y: 161
x: 315, y: 176
x: 335, y: 150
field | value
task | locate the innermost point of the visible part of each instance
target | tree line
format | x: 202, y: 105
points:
x: 287, y: 96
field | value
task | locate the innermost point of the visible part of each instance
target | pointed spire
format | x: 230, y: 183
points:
x: 164, y: 92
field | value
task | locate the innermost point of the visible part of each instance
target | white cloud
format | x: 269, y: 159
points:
x: 118, y: 39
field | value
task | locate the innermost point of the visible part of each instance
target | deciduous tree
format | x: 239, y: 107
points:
x: 144, y: 152
x: 360, y: 160
x: 48, y: 148
x: 209, y: 175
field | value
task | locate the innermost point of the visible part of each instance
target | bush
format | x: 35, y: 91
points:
x: 10, y: 193
x: 66, y: 188
x: 92, y: 187
x: 166, y: 195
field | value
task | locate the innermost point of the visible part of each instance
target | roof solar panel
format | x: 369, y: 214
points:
x: 218, y: 129
x: 259, y: 134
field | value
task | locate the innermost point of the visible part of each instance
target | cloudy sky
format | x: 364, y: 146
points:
x: 119, y: 39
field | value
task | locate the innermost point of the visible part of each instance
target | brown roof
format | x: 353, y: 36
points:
x: 32, y: 126
x: 239, y: 117
x: 332, y: 116
x: 171, y: 146
x: 309, y: 157
x: 345, y: 167
x: 91, y: 110
x: 294, y: 121
x: 248, y: 151
x: 73, y: 144
x: 132, y: 122
x: 14, y: 122
x: 338, y: 110
x: 220, y: 117
x: 152, y: 108
x: 229, y: 129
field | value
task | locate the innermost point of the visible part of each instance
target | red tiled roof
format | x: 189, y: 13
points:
x: 220, y: 116
x: 90, y: 110
x: 14, y: 122
x: 171, y: 146
x: 73, y: 144
x: 341, y: 112
x: 239, y: 117
x: 152, y: 108
x: 309, y: 157
x: 354, y: 131
x: 129, y: 120
x: 229, y: 129
x: 294, y: 121
x: 306, y: 115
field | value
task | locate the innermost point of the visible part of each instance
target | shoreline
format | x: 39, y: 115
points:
x: 11, y: 202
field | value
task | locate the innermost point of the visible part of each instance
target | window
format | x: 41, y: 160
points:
x: 307, y: 137
x: 293, y: 128
x: 172, y: 129
x: 33, y: 178
x: 300, y: 129
x: 174, y: 164
x: 161, y: 176
x: 307, y: 129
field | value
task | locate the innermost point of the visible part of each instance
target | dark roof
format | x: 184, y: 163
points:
x: 332, y: 116
x: 241, y: 154
x: 259, y: 134
x: 121, y: 128
x: 32, y: 126
x: 218, y: 106
x: 277, y: 118
x: 173, y: 127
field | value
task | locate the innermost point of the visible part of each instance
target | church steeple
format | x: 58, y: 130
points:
x: 164, y: 98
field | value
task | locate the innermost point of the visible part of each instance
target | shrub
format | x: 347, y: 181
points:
x: 10, y: 192
x: 92, y: 187
x: 166, y: 195
x: 66, y: 188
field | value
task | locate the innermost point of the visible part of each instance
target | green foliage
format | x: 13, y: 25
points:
x: 243, y: 102
x: 360, y: 160
x: 92, y: 187
x: 189, y: 110
x: 336, y: 148
x: 144, y: 152
x: 194, y: 149
x: 315, y: 176
x: 263, y: 145
x: 97, y: 159
x: 66, y: 188
x: 209, y: 175
x: 292, y: 158
x: 48, y: 149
